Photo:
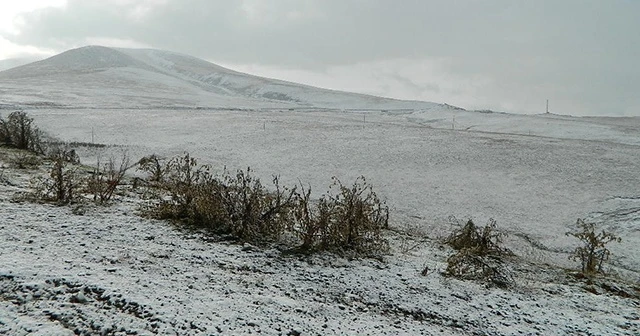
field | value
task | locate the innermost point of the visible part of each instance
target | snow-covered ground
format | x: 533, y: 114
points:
x: 104, y: 270
x: 145, y: 276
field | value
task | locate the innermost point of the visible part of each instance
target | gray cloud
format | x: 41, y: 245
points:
x: 581, y: 54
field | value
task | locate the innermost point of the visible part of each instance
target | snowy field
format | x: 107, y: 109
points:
x: 109, y: 271
x: 534, y: 186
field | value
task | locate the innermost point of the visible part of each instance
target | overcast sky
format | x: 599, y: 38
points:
x: 508, y: 55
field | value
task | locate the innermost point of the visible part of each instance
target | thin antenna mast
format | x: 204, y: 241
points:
x: 547, y: 105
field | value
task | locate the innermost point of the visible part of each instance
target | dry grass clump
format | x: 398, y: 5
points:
x: 483, y: 240
x: 479, y: 254
x: 592, y: 253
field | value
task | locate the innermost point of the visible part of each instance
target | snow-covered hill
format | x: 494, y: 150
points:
x: 138, y: 78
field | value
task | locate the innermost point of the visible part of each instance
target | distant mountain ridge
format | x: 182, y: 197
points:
x: 9, y: 63
x: 96, y: 76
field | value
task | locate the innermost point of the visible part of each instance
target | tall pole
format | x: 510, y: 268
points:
x: 547, y: 105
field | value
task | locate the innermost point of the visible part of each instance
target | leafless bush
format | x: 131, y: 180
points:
x: 345, y: 219
x: 155, y: 166
x: 479, y: 255
x: 469, y: 265
x: 19, y: 131
x: 593, y: 253
x: 485, y: 240
x: 236, y: 204
x: 177, y: 190
x: 186, y: 193
x: 254, y: 213
x: 310, y: 221
x: 106, y: 177
x: 62, y: 184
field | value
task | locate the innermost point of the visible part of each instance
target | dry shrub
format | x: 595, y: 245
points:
x: 311, y: 223
x: 593, y: 252
x: 478, y: 255
x: 183, y: 175
x: 484, y: 240
x: 64, y: 152
x: 468, y: 265
x: 63, y: 183
x: 236, y: 204
x: 155, y: 166
x: 205, y: 208
x: 345, y: 219
x: 179, y: 186
x: 106, y: 177
x: 254, y: 213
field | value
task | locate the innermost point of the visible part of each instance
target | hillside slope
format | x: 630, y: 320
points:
x: 139, y: 78
x: 9, y: 63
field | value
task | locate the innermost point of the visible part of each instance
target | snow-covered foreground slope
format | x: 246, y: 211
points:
x: 141, y: 78
x: 105, y: 271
